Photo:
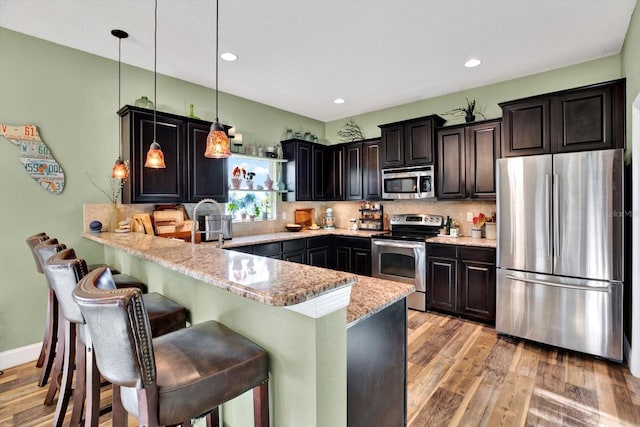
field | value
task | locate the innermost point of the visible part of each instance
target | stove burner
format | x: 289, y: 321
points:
x: 414, y: 227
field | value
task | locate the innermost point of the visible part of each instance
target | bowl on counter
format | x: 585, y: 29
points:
x: 293, y: 227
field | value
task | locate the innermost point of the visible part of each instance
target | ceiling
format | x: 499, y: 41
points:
x: 299, y: 55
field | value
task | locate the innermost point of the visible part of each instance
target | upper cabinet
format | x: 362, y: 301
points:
x: 586, y: 118
x: 188, y: 176
x: 298, y: 173
x: 466, y: 160
x: 410, y: 142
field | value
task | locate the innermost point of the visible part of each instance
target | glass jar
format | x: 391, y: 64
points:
x: 144, y: 102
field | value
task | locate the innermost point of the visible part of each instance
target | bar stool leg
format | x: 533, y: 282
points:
x: 50, y: 339
x: 79, y: 392
x: 213, y: 418
x: 67, y: 374
x: 56, y: 372
x: 92, y: 411
x: 119, y: 415
x: 261, y: 405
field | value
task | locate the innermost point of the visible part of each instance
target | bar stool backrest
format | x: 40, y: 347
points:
x: 34, y: 241
x: 119, y: 327
x: 64, y: 270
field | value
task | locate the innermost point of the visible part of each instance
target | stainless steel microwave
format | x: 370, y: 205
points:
x: 414, y: 182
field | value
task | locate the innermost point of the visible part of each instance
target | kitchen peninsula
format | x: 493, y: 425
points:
x: 303, y: 316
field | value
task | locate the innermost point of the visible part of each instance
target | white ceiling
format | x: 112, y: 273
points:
x: 299, y: 55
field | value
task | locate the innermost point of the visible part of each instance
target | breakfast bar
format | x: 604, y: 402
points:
x: 299, y: 314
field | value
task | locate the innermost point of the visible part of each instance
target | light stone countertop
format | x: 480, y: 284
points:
x: 463, y: 241
x: 292, y: 235
x: 261, y: 279
x: 265, y: 280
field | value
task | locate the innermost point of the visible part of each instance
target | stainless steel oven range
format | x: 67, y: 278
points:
x: 400, y: 255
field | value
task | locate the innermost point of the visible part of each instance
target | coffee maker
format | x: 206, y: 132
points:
x: 329, y: 222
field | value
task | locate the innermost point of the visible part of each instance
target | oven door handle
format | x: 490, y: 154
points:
x: 396, y: 244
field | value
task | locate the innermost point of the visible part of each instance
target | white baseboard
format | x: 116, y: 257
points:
x: 18, y: 356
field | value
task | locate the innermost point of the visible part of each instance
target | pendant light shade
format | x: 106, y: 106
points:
x: 120, y: 169
x: 217, y: 140
x: 155, y: 156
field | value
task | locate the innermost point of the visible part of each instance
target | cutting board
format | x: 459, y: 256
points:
x: 305, y: 217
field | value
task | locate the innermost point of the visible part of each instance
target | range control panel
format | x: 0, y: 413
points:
x: 417, y: 219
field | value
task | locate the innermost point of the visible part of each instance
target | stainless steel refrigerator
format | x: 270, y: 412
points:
x: 560, y: 250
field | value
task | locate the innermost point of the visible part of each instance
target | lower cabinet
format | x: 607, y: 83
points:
x: 350, y: 254
x: 377, y: 369
x: 462, y: 280
x: 319, y: 251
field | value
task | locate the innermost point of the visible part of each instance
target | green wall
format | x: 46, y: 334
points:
x: 487, y: 97
x: 72, y: 97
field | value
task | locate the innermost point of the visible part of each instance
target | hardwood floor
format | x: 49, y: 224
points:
x: 460, y: 373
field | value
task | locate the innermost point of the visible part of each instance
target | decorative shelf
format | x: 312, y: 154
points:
x: 266, y: 159
x: 255, y: 190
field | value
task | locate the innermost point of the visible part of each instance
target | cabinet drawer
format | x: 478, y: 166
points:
x: 478, y: 254
x: 445, y: 251
x: 267, y: 249
x: 318, y: 242
x: 293, y: 245
x: 353, y: 242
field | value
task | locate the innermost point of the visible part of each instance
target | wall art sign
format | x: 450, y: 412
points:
x: 35, y: 156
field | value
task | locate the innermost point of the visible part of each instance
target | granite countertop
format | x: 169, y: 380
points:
x: 265, y: 280
x: 463, y: 241
x: 370, y: 295
x: 261, y: 279
x: 290, y: 235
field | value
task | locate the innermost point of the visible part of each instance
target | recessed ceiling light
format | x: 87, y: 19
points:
x: 229, y: 56
x: 338, y: 101
x: 473, y: 62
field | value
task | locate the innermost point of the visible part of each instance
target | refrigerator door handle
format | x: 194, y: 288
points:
x: 556, y: 217
x: 548, y: 209
x: 560, y: 285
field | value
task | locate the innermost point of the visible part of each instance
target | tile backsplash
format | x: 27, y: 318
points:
x: 343, y: 212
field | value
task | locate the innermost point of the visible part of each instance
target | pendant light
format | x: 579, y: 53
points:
x: 120, y: 169
x: 217, y: 140
x: 155, y: 156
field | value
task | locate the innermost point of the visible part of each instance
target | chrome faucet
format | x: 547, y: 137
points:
x: 195, y: 222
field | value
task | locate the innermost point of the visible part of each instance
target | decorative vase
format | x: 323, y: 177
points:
x: 191, y: 113
x: 268, y: 183
x: 144, y: 102
x: 250, y: 184
x: 235, y: 183
x: 476, y: 233
x: 265, y: 216
x: 114, y: 218
x: 289, y: 134
x: 469, y: 118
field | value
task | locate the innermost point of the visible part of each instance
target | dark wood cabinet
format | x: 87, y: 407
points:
x: 353, y: 171
x: 462, y: 280
x: 319, y: 251
x: 482, y: 142
x: 297, y: 173
x: 442, y: 278
x: 295, y: 251
x: 319, y: 172
x: 352, y: 254
x: 335, y: 167
x: 585, y: 118
x: 477, y: 284
x: 466, y: 160
x: 371, y: 170
x: 188, y: 176
x: 208, y: 178
x: 147, y: 185
x: 451, y: 163
x: 410, y: 142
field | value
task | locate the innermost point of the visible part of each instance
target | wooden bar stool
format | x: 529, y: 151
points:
x: 171, y: 379
x: 63, y: 270
x: 47, y: 351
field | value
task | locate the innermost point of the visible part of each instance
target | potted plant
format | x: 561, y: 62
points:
x: 469, y: 111
x: 250, y: 176
x: 234, y: 206
x: 238, y: 174
x: 266, y: 206
x: 254, y: 212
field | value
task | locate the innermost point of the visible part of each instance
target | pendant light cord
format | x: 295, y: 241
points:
x: 119, y: 90
x: 217, y: 25
x: 155, y: 63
